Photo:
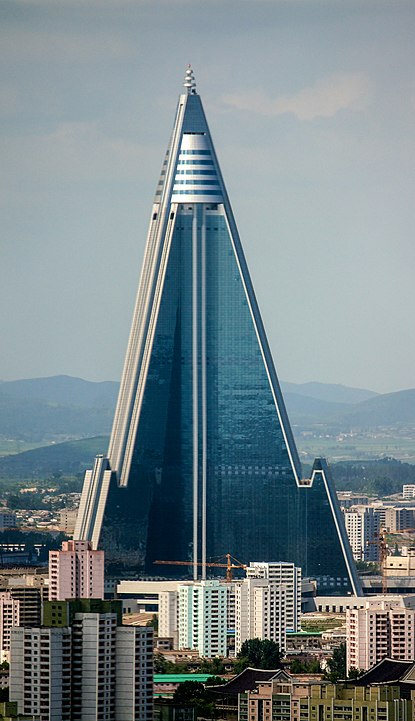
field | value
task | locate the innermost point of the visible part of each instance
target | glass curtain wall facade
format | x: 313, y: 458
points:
x: 202, y: 461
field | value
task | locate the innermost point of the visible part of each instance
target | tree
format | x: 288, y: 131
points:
x: 154, y: 623
x: 215, y: 666
x: 164, y: 665
x: 258, y: 653
x: 336, y: 665
x: 189, y: 692
x: 298, y: 665
x: 194, y: 694
x: 215, y: 681
x: 160, y: 663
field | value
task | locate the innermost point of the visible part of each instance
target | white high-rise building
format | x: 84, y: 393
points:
x: 408, y: 490
x: 9, y: 617
x: 94, y: 665
x: 76, y: 571
x: 286, y: 574
x: 92, y: 669
x: 41, y: 672
x: 203, y: 617
x: 134, y: 672
x: 260, y: 611
x: 362, y: 525
x: 382, y: 628
x: 169, y: 615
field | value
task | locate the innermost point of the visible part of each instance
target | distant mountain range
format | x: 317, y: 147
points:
x: 330, y: 392
x: 63, y: 408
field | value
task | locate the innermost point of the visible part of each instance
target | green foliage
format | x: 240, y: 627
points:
x: 379, y: 478
x: 36, y: 466
x: 371, y: 569
x: 215, y: 681
x: 354, y: 673
x: 215, y: 666
x: 164, y: 665
x: 189, y: 692
x: 154, y: 623
x: 336, y: 665
x: 160, y: 663
x: 258, y: 653
x: 31, y: 501
x: 195, y: 694
x: 299, y: 665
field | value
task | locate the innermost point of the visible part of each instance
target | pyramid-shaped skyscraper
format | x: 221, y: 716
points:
x: 201, y: 459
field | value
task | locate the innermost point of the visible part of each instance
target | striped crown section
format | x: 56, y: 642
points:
x: 196, y: 178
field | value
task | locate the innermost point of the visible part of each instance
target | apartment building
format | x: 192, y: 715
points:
x: 9, y: 617
x: 382, y: 628
x: 40, y: 672
x: 169, y: 616
x: 362, y: 525
x: 260, y: 611
x: 282, y: 573
x: 76, y: 571
x: 83, y: 665
x: 202, y: 609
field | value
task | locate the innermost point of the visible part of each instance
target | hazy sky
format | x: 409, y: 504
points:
x: 311, y: 108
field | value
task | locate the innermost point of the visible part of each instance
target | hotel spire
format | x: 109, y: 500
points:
x: 202, y: 460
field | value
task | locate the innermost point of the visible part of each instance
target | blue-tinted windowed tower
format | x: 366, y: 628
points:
x: 201, y: 459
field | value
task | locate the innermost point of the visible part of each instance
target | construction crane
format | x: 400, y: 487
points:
x: 230, y: 565
x: 382, y: 543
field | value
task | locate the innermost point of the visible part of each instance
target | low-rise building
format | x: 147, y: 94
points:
x: 7, y: 519
x: 384, y: 693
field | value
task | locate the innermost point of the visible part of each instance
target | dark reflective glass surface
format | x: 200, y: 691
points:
x: 255, y: 510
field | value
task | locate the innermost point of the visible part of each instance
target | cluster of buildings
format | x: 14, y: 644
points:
x: 61, y: 516
x: 366, y: 520
x: 386, y: 693
x: 216, y: 617
x: 75, y: 659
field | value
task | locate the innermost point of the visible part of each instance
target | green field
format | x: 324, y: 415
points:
x: 359, y: 447
x: 11, y: 447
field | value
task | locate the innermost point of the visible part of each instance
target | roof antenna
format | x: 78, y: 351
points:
x: 189, y: 81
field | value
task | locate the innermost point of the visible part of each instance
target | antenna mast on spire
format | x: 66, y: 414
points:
x: 189, y: 81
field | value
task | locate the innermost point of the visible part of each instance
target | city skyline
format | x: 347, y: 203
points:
x: 312, y: 103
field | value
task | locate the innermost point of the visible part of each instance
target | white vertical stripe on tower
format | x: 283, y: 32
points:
x: 203, y: 368
x: 195, y: 394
